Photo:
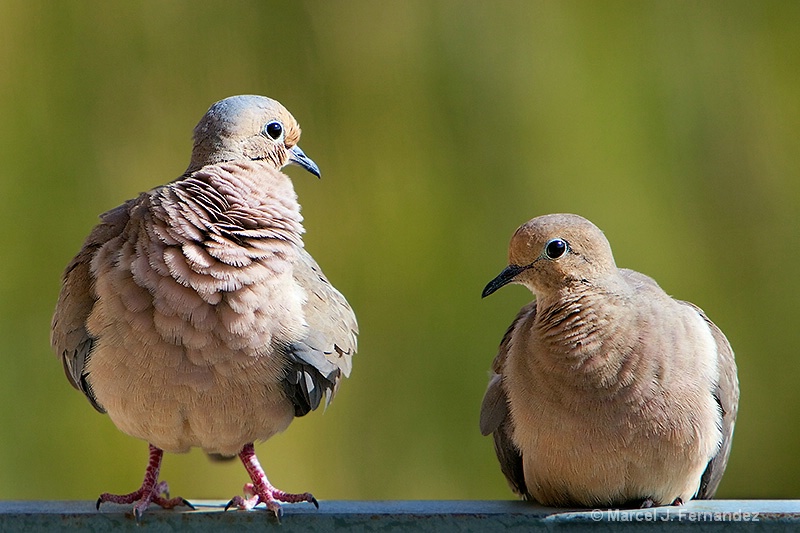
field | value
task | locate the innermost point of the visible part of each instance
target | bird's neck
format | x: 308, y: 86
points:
x: 583, y: 335
x: 241, y: 198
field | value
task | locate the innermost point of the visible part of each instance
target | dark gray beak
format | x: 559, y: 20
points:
x: 298, y: 157
x: 504, y: 278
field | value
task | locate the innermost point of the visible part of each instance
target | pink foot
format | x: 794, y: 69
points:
x: 260, y: 490
x: 151, y: 491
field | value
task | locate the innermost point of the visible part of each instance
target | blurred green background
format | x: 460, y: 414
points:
x: 439, y: 127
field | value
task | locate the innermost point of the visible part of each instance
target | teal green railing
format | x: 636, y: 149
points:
x: 423, y: 516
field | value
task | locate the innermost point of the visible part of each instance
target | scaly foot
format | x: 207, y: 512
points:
x: 261, y: 491
x: 151, y: 491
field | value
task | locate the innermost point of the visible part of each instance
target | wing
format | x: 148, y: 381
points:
x: 68, y: 337
x: 495, y: 417
x: 318, y: 361
x: 726, y: 393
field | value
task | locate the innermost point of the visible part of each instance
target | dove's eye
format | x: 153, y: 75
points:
x: 274, y: 130
x: 556, y: 248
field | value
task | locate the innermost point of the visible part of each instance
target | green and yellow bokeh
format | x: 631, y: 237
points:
x: 439, y: 128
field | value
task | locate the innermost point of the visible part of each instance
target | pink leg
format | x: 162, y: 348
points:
x: 151, y: 491
x: 260, y: 489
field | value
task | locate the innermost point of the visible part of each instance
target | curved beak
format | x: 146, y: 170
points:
x: 504, y: 278
x: 298, y: 157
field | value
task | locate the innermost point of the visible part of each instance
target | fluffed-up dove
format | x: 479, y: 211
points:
x: 605, y: 390
x: 193, y: 315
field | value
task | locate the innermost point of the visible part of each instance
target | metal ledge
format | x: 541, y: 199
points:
x: 438, y: 516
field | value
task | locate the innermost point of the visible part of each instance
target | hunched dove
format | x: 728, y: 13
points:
x: 605, y: 391
x: 193, y: 315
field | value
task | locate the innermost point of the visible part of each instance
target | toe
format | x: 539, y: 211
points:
x: 276, y: 508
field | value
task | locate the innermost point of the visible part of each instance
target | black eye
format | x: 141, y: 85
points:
x: 556, y: 248
x: 274, y: 130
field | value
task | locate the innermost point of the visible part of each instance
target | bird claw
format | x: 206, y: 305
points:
x: 261, y: 491
x: 271, y: 498
x: 138, y: 511
x: 142, y: 498
x: 151, y: 491
x: 246, y: 504
x: 188, y: 504
x: 161, y: 489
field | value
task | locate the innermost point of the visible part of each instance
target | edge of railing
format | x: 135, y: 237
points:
x: 424, y: 515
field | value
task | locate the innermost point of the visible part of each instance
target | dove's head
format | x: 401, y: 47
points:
x: 551, y: 252
x: 248, y: 127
